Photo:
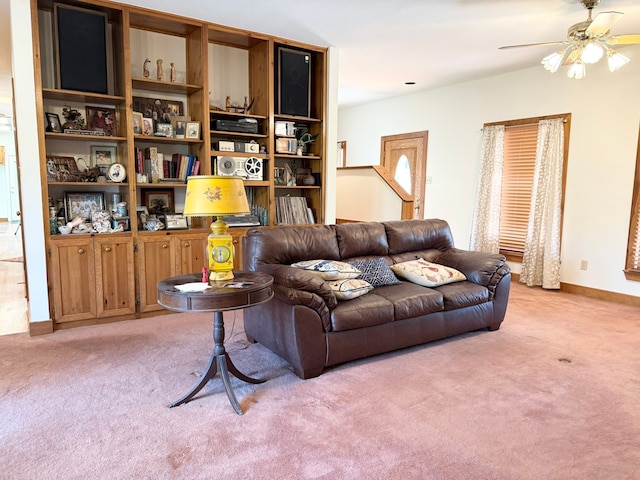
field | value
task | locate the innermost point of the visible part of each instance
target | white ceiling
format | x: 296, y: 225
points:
x: 385, y: 43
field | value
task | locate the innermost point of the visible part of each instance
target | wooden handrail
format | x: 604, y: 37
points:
x: 407, y: 199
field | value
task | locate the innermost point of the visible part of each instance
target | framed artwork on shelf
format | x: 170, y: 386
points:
x: 117, y: 173
x: 62, y: 169
x: 157, y: 201
x: 175, y: 221
x: 158, y: 109
x: 137, y: 123
x: 102, y: 155
x: 147, y: 126
x: 179, y: 125
x: 164, y: 130
x: 81, y: 204
x: 101, y: 119
x: 53, y: 122
x: 192, y: 130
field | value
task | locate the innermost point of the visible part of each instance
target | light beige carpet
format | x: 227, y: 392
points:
x: 552, y: 395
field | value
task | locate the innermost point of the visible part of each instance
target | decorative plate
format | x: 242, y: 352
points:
x: 117, y: 172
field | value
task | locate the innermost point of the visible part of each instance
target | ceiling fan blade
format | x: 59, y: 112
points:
x: 603, y: 23
x: 624, y: 39
x: 532, y: 45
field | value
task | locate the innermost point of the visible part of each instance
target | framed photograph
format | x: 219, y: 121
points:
x: 158, y: 109
x: 102, y: 155
x: 175, y: 221
x: 158, y: 201
x: 53, y: 123
x: 101, y: 119
x: 193, y: 130
x: 164, y: 130
x: 147, y: 126
x: 62, y: 169
x: 179, y: 125
x: 137, y: 123
x: 117, y: 173
x: 81, y: 204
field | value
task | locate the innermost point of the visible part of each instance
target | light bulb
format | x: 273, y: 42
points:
x: 577, y: 71
x: 616, y: 60
x: 591, y: 53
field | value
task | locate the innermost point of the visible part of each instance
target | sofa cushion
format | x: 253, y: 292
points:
x: 463, y: 294
x: 365, y: 311
x: 375, y: 271
x: 426, y: 273
x: 411, y: 300
x: 360, y: 239
x: 349, y: 288
x: 328, y: 269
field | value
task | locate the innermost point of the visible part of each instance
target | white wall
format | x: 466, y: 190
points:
x: 605, y: 112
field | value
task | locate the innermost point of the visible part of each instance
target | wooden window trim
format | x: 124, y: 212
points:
x: 632, y: 262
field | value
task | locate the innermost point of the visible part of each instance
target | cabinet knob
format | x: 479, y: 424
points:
x: 81, y: 251
x: 164, y: 245
x: 107, y: 249
x: 187, y: 244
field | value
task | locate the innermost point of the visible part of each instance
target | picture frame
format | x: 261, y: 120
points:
x: 117, y: 173
x: 103, y: 155
x: 138, y: 123
x: 81, y: 204
x: 175, y: 221
x: 164, y: 130
x: 147, y: 126
x: 53, y: 122
x: 143, y: 214
x: 179, y: 124
x: 192, y: 130
x: 62, y: 169
x: 158, y: 109
x: 101, y: 119
x: 158, y: 201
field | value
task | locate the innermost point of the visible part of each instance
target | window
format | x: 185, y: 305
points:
x: 520, y: 139
x: 632, y: 266
x: 342, y: 154
x: 403, y: 173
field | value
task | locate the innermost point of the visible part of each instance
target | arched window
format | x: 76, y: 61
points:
x: 403, y: 173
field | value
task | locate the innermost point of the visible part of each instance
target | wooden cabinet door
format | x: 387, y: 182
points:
x: 73, y: 277
x: 192, y: 253
x: 237, y: 234
x: 157, y: 261
x: 115, y: 284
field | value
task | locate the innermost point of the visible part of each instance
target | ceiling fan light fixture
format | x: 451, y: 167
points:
x: 577, y: 70
x: 552, y: 62
x: 616, y: 60
x: 592, y: 53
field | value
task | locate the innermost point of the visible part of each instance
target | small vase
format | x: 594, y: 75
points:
x: 299, y: 151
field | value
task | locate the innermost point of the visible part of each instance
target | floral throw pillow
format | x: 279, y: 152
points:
x: 329, y: 269
x: 376, y: 272
x: 349, y: 288
x: 426, y: 273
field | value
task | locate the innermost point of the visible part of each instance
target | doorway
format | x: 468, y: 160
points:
x: 405, y: 157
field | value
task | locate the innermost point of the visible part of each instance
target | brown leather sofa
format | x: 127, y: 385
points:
x: 306, y: 325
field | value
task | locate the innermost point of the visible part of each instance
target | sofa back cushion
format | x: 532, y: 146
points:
x: 361, y: 239
x: 418, y: 235
x: 287, y: 245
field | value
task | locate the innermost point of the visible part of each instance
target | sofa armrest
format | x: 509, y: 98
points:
x: 483, y: 268
x: 298, y: 284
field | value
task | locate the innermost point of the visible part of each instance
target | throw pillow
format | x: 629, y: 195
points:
x: 426, y: 273
x: 329, y: 269
x: 349, y: 288
x: 376, y: 272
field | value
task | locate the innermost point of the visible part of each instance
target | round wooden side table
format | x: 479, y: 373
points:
x: 245, y: 290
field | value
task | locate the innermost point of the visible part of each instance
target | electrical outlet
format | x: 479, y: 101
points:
x: 429, y: 180
x: 584, y: 264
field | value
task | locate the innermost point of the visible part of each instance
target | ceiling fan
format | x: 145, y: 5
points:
x: 587, y: 42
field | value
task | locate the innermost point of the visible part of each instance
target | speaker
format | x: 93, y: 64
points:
x: 294, y: 76
x: 81, y: 49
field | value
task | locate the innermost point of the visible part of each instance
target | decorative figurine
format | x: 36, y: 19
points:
x: 159, y: 73
x: 145, y: 68
x: 173, y: 72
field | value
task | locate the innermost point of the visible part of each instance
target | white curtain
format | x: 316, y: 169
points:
x: 541, y: 259
x: 485, y: 231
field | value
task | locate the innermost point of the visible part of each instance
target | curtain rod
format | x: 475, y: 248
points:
x: 564, y: 120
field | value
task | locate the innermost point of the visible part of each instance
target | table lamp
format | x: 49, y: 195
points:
x: 210, y: 195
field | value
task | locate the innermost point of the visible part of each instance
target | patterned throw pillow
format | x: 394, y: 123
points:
x: 376, y: 272
x: 349, y: 288
x: 329, y: 269
x: 426, y: 273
